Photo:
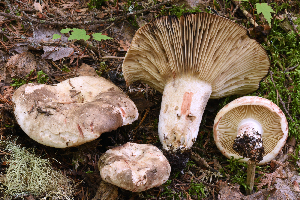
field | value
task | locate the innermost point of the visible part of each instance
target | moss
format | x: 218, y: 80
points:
x: 282, y: 85
x: 28, y: 174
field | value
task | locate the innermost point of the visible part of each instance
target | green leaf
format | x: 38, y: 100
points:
x: 56, y: 36
x: 266, y: 10
x: 65, y: 30
x: 99, y: 37
x: 78, y: 34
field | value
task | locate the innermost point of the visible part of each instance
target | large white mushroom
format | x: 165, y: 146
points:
x: 190, y: 60
x: 73, y: 112
x: 252, y: 129
x: 134, y: 167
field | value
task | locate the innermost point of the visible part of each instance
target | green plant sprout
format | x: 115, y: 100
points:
x: 263, y: 8
x: 78, y: 34
x: 18, y: 82
x: 42, y: 78
x: 237, y: 171
x: 198, y: 189
x: 28, y: 174
x: 266, y: 10
x: 65, y: 69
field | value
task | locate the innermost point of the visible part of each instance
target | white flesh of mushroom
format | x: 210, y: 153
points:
x: 183, y: 103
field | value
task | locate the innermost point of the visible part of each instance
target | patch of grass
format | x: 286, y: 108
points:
x: 237, y: 171
x: 28, y: 174
x: 179, y: 10
x: 198, y: 190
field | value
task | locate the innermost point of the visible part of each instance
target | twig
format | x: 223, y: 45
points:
x: 144, y: 117
x: 4, y: 46
x: 112, y: 57
x: 234, y: 11
x: 291, y: 68
x: 201, y: 162
x: 292, y: 23
x: 246, y: 13
x: 4, y: 100
x: 280, y: 99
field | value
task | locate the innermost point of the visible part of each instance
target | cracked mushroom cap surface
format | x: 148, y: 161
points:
x: 73, y: 112
x: 272, y: 120
x: 134, y: 167
x: 203, y: 46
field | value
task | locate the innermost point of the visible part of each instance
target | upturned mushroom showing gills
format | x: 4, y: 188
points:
x: 190, y: 60
x: 252, y: 129
x: 73, y: 112
x: 134, y: 167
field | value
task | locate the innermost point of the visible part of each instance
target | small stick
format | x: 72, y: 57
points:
x: 250, y: 176
x: 112, y: 57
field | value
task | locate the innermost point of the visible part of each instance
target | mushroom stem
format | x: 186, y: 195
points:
x: 250, y: 176
x: 183, y: 103
x: 248, y: 144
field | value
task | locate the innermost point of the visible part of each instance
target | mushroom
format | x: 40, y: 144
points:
x: 252, y: 129
x: 73, y: 112
x: 134, y: 167
x: 190, y: 60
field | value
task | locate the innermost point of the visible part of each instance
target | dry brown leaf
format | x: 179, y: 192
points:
x: 296, y: 186
x: 69, y: 5
x: 38, y: 7
x: 124, y: 44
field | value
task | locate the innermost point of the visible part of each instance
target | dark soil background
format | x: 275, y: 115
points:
x: 201, y: 173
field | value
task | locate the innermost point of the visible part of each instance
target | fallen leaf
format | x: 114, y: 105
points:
x: 38, y: 7
x: 296, y: 186
x: 124, y: 45
x: 56, y: 53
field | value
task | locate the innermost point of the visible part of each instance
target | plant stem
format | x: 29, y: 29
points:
x: 250, y: 176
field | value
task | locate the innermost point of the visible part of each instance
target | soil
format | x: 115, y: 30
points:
x: 26, y: 33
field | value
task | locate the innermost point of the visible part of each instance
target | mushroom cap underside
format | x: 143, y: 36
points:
x: 73, y: 112
x: 209, y: 47
x: 134, y: 167
x: 268, y: 114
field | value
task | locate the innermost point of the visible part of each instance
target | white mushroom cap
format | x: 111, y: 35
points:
x: 73, y: 112
x: 190, y: 60
x: 134, y: 167
x: 263, y: 113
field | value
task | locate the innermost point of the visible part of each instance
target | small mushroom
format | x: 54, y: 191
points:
x: 252, y: 129
x: 73, y: 112
x: 134, y: 167
x: 190, y: 60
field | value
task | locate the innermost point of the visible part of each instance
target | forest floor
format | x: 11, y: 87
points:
x: 27, y: 29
